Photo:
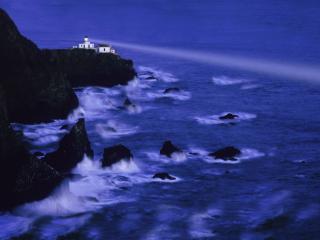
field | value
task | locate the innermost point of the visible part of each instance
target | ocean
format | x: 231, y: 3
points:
x: 270, y: 192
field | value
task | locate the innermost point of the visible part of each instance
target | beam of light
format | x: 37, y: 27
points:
x: 275, y: 68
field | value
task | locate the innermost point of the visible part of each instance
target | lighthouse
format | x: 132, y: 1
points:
x: 101, y: 48
x: 86, y: 44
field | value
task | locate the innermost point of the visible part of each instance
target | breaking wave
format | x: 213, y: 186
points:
x: 114, y: 129
x: 225, y: 81
x: 214, y: 119
x: 155, y: 74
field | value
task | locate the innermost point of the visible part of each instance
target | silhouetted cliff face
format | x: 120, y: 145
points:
x: 23, y: 177
x: 87, y: 68
x: 35, y: 90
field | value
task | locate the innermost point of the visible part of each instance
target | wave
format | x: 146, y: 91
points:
x: 225, y: 81
x: 96, y: 101
x: 214, y: 119
x: 175, y: 157
x: 114, y: 129
x: 181, y: 95
x: 146, y: 72
x: 42, y: 134
x: 246, y: 154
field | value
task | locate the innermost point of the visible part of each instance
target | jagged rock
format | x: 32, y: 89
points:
x: 23, y: 177
x: 168, y: 149
x: 71, y: 149
x: 164, y: 176
x: 114, y: 154
x: 36, y: 90
x: 171, y: 90
x: 229, y: 116
x: 227, y: 153
x: 86, y: 68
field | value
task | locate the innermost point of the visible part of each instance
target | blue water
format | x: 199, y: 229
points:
x: 278, y: 173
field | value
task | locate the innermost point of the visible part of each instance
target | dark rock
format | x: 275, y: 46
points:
x: 168, y: 149
x: 23, y: 177
x: 151, y: 78
x: 87, y: 68
x: 164, y: 176
x: 114, y: 154
x: 229, y: 116
x: 38, y: 154
x: 71, y: 149
x: 171, y: 90
x: 128, y: 103
x: 273, y: 223
x: 227, y: 153
x: 65, y: 127
x: 36, y: 90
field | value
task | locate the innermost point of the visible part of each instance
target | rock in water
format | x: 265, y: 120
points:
x: 229, y: 116
x: 36, y: 90
x: 168, y: 149
x: 114, y: 154
x: 127, y: 103
x: 71, y: 149
x: 227, y: 153
x: 171, y: 90
x: 164, y: 176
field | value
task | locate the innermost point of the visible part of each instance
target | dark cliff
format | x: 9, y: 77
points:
x: 35, y: 90
x: 87, y: 68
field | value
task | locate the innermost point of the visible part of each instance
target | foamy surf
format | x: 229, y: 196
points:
x: 42, y: 134
x: 215, y: 119
x: 177, y: 157
x: 226, y: 81
x: 181, y: 95
x: 114, y: 129
x: 157, y: 74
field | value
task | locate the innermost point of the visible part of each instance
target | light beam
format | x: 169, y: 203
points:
x: 287, y: 70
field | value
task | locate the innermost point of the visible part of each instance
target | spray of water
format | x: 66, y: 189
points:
x: 275, y: 68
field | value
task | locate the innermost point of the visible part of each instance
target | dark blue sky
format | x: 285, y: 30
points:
x: 275, y: 28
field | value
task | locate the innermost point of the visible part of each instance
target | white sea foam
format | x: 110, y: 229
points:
x: 61, y: 203
x: 124, y: 166
x: 198, y: 228
x: 76, y: 114
x: 96, y: 101
x: 113, y: 129
x: 42, y: 134
x: 246, y: 154
x: 180, y: 95
x: 224, y: 80
x: 214, y: 119
x: 175, y: 157
x: 158, y: 74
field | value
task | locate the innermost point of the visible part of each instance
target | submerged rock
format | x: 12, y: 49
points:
x: 227, y: 153
x: 164, y: 176
x: 168, y: 149
x: 171, y: 90
x: 35, y: 89
x: 273, y: 223
x: 71, y: 149
x: 229, y: 116
x: 114, y: 154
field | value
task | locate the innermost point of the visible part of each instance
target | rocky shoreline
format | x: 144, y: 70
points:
x: 36, y: 86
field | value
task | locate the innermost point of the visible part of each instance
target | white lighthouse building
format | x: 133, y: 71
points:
x: 101, y: 48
